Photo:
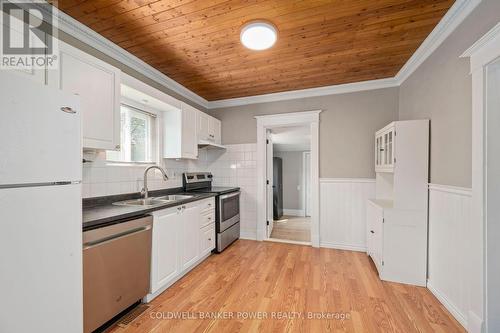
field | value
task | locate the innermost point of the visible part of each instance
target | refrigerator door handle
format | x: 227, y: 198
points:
x: 38, y: 184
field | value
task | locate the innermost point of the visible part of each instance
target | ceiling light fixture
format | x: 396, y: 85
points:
x: 258, y: 35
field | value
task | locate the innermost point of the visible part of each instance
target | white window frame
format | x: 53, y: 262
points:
x: 154, y: 133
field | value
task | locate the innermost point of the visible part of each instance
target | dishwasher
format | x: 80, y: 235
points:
x: 116, y: 269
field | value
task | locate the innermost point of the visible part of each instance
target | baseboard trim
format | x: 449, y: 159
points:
x: 474, y: 323
x: 294, y: 212
x: 339, y: 246
x: 448, y: 304
x: 347, y: 180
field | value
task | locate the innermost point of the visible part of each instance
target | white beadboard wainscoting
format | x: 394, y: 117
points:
x: 343, y: 212
x: 449, y: 270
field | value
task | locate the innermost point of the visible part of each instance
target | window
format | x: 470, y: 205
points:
x: 137, y: 138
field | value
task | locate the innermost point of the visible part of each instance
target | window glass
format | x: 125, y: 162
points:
x: 137, y: 137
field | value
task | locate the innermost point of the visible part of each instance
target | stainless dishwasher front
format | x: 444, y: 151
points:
x: 116, y: 269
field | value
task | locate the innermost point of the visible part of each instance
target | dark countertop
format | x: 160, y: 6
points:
x: 101, y: 211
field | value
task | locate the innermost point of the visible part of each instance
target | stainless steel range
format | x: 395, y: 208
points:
x: 227, y: 206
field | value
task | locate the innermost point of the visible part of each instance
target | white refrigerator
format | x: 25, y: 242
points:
x: 40, y: 208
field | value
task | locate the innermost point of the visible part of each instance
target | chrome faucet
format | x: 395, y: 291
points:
x: 145, y: 191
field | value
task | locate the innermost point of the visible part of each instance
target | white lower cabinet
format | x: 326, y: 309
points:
x: 397, y: 242
x: 182, y: 238
x: 165, y: 265
x: 207, y: 240
x: 190, y: 235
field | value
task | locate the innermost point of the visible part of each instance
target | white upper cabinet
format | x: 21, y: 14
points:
x: 202, y: 125
x: 98, y: 85
x: 189, y: 141
x: 214, y: 130
x: 208, y: 128
x: 180, y: 138
x: 384, y: 149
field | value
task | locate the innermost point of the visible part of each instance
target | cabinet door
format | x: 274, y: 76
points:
x: 190, y: 236
x: 207, y: 241
x: 377, y: 239
x: 189, y: 142
x: 390, y: 148
x: 214, y: 130
x: 203, y: 123
x: 370, y: 217
x: 98, y: 85
x: 165, y: 266
x: 217, y: 131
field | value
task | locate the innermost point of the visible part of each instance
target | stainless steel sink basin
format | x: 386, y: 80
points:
x: 150, y: 202
x: 174, y: 197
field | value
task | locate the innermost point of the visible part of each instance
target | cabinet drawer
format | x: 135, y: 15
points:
x: 207, y: 239
x: 207, y: 205
x: 207, y: 219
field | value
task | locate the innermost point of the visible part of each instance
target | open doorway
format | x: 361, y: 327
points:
x: 265, y: 126
x: 288, y: 172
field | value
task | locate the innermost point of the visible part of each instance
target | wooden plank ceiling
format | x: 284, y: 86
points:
x: 320, y: 43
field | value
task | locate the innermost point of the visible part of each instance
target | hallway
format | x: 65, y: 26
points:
x: 294, y: 228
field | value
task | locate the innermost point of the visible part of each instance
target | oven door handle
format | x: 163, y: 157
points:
x: 222, y: 197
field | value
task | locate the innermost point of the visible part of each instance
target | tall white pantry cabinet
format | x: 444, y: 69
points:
x: 397, y: 216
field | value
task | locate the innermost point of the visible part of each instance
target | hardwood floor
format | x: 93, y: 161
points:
x: 293, y: 281
x: 293, y: 228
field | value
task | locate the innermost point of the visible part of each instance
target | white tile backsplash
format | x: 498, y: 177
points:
x: 235, y: 166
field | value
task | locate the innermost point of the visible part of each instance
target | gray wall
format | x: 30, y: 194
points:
x: 293, y: 188
x: 346, y: 132
x: 440, y: 90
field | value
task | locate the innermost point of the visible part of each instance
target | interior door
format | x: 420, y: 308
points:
x: 307, y: 183
x: 269, y: 181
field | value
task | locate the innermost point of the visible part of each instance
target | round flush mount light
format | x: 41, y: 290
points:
x: 258, y: 35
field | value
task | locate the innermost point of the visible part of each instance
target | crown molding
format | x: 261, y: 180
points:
x: 455, y: 15
x: 88, y: 36
x: 313, y: 92
x: 450, y: 21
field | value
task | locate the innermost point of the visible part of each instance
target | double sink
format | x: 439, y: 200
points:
x: 155, y: 201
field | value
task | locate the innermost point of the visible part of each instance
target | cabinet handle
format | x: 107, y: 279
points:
x: 67, y: 109
x: 372, y: 231
x: 210, y: 239
x: 381, y: 149
x: 209, y: 205
x: 118, y: 147
x: 209, y: 218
